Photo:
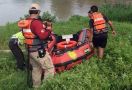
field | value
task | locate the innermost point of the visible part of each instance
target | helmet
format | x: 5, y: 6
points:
x: 35, y: 6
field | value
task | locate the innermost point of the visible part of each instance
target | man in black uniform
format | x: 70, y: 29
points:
x: 14, y: 44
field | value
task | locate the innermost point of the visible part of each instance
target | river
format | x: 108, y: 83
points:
x: 12, y: 10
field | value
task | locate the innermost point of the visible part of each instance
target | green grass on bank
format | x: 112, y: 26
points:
x: 5, y: 33
x: 112, y: 73
x: 118, y: 12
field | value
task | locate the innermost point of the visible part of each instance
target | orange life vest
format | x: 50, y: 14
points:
x: 99, y: 21
x: 30, y: 38
x: 27, y: 33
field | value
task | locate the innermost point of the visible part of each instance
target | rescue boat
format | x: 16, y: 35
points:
x: 69, y: 50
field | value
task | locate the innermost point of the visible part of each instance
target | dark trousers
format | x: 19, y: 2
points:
x: 17, y: 52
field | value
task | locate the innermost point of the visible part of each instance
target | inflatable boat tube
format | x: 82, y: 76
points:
x: 65, y: 44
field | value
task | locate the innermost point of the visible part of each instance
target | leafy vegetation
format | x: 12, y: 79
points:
x: 46, y: 16
x: 118, y: 12
x: 5, y: 33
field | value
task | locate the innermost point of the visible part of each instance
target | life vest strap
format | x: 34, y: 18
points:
x: 99, y: 24
x: 104, y: 30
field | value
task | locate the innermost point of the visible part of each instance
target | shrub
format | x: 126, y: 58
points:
x: 46, y: 16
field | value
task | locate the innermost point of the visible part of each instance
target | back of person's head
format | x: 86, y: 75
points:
x: 34, y: 9
x: 94, y: 8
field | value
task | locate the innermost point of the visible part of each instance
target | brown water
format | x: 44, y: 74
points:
x: 12, y: 10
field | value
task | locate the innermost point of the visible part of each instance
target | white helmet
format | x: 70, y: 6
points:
x: 35, y: 6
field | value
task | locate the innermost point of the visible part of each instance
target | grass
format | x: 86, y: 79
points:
x: 118, y: 12
x: 5, y: 33
x: 112, y: 73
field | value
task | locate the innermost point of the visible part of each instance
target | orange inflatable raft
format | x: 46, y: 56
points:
x: 65, y: 56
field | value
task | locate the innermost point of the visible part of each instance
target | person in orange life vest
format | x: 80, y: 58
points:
x: 16, y: 41
x: 98, y: 25
x: 36, y: 35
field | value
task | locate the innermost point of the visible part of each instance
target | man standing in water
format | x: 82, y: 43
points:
x: 98, y: 25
